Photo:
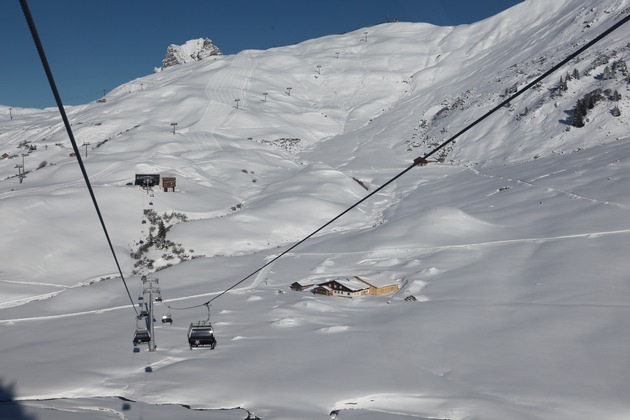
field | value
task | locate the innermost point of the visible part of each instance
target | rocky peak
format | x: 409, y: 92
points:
x: 193, y: 50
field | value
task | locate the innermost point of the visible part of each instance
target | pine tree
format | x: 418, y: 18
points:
x: 592, y: 98
x: 579, y: 112
x: 561, y: 87
x: 160, y: 239
x: 577, y: 119
x: 576, y: 74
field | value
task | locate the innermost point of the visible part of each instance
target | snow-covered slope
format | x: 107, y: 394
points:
x: 514, y: 247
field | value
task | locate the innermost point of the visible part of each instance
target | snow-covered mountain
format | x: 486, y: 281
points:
x: 190, y: 51
x: 514, y: 246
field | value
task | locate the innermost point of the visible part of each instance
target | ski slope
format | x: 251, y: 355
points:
x: 514, y: 246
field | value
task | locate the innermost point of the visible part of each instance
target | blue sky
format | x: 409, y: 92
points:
x: 93, y: 46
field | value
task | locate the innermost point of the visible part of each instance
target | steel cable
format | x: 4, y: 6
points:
x: 64, y: 117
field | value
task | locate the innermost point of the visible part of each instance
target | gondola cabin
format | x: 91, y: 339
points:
x: 141, y: 336
x: 201, y: 334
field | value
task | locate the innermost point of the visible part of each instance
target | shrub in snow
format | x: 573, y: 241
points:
x: 616, y: 112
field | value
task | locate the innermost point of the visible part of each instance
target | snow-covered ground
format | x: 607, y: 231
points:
x: 515, y: 247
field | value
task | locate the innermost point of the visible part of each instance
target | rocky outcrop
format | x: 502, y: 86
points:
x: 193, y: 50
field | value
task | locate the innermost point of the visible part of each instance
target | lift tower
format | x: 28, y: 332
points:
x: 151, y: 287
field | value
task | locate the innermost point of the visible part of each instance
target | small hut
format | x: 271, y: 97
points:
x: 300, y: 286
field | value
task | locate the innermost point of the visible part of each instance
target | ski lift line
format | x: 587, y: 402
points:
x: 527, y: 87
x: 423, y: 159
x: 64, y: 117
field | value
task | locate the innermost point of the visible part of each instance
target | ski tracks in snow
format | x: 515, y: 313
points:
x: 261, y: 275
x: 548, y: 188
x: 397, y: 252
x: 222, y: 91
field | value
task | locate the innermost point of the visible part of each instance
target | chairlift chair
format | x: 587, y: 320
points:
x: 141, y: 336
x: 201, y: 334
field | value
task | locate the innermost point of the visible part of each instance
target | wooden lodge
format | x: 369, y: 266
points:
x: 349, y: 287
x: 377, y: 289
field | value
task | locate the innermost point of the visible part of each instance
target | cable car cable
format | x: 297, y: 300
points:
x: 64, y: 117
x: 423, y: 159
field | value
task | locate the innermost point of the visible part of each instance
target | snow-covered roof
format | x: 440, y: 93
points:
x: 351, y: 283
x: 377, y: 281
x: 305, y: 282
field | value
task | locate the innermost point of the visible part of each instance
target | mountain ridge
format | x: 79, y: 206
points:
x: 190, y: 51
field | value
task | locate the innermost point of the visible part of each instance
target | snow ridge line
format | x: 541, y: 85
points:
x: 375, y: 252
x: 109, y: 410
x: 259, y: 278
